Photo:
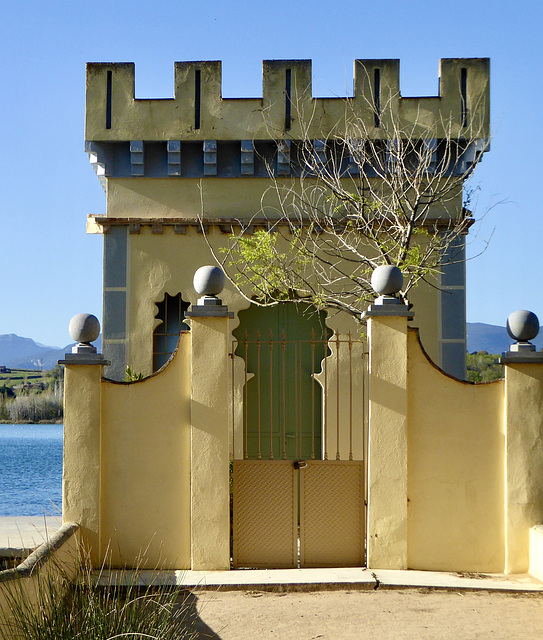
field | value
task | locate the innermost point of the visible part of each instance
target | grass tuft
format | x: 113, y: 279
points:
x: 58, y: 607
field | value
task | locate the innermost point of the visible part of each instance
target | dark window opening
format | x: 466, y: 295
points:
x: 197, y: 97
x: 377, y: 96
x: 166, y: 336
x: 288, y: 99
x: 464, y: 95
x: 109, y: 82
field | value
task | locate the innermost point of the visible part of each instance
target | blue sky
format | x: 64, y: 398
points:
x: 52, y: 269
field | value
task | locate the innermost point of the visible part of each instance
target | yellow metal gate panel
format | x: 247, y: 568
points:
x: 265, y: 514
x: 332, y: 514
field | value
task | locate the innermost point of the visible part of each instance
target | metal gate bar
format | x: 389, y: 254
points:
x: 334, y: 428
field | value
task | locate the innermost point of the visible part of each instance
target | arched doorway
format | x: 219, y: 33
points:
x: 292, y: 505
x: 282, y: 347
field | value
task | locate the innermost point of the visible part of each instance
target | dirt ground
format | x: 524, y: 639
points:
x: 380, y: 615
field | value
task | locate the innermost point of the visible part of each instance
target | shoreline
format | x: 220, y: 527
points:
x: 60, y: 421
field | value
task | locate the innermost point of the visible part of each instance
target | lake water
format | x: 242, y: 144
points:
x: 31, y: 469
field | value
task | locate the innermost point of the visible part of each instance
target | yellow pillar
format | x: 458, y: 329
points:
x: 523, y: 456
x: 210, y: 401
x: 387, y: 436
x: 81, y: 472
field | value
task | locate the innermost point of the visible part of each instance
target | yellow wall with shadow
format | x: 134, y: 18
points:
x: 455, y: 469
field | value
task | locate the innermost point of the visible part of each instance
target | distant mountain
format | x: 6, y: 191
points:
x: 492, y: 338
x: 24, y: 353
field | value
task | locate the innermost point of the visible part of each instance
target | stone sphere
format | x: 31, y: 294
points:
x: 522, y: 325
x: 84, y: 327
x: 387, y: 280
x: 209, y: 281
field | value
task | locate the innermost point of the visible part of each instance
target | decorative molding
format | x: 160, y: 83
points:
x: 136, y: 158
x: 430, y: 146
x: 174, y: 157
x: 319, y: 152
x: 225, y: 225
x: 210, y: 157
x: 283, y: 157
x: 247, y: 158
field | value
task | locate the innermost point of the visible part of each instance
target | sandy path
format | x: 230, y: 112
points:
x: 379, y: 615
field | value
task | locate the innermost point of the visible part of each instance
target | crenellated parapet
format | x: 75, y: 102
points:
x: 198, y: 133
x: 287, y: 108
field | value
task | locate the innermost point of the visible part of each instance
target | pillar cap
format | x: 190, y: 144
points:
x: 84, y: 358
x: 387, y: 280
x: 380, y: 309
x: 84, y: 328
x: 522, y: 326
x: 209, y: 281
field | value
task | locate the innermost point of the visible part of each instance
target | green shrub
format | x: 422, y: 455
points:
x: 483, y: 367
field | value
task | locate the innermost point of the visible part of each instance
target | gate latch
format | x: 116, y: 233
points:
x: 300, y: 464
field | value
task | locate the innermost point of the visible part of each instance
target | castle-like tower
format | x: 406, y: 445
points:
x: 174, y: 167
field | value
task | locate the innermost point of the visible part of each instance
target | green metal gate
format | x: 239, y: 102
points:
x: 298, y: 439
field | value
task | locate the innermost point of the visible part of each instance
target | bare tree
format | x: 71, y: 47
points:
x: 375, y: 190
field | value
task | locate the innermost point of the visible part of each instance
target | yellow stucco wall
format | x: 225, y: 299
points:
x: 213, y: 198
x: 161, y: 264
x: 536, y: 551
x: 222, y: 198
x: 454, y: 480
x: 524, y: 462
x: 145, y: 478
x: 455, y: 470
x: 165, y: 263
x: 387, y: 445
x: 210, y: 451
x: 81, y: 470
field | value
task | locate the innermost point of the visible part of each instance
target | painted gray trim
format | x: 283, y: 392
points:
x: 210, y: 157
x: 283, y: 157
x: 115, y: 312
x: 452, y: 310
x: 115, y: 253
x: 247, y: 158
x: 137, y: 166
x: 174, y: 157
x: 117, y: 353
x: 454, y: 359
x: 453, y: 314
x: 454, y: 270
x: 114, y: 315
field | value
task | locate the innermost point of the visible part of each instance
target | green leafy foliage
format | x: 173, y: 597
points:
x: 132, y: 376
x: 258, y: 260
x: 483, y: 367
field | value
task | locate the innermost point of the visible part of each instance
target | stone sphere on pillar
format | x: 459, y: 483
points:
x: 209, y: 281
x: 84, y: 327
x: 387, y: 280
x: 522, y: 325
